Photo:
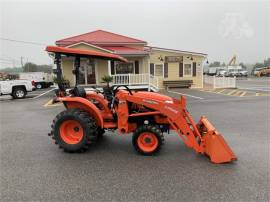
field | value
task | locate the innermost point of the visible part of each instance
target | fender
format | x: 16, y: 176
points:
x: 84, y: 104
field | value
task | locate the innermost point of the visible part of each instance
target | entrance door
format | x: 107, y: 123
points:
x: 82, y: 71
x: 91, y: 73
x: 87, y: 72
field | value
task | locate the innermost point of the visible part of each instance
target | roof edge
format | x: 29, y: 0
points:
x: 178, y: 51
x: 89, y: 44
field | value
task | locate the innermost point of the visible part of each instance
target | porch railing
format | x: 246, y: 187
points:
x: 135, y: 79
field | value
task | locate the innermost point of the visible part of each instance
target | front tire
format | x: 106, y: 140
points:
x: 19, y: 93
x: 74, y: 130
x: 147, y: 140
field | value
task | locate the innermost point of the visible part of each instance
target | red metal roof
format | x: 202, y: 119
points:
x: 84, y: 53
x: 124, y: 50
x: 99, y: 37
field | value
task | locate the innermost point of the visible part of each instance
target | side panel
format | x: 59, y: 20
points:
x: 6, y: 88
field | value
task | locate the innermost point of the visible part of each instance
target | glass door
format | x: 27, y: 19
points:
x: 82, y: 71
x: 91, y: 72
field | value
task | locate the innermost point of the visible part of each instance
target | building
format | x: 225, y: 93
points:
x: 147, y: 67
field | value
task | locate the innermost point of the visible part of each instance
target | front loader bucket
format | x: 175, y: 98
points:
x: 214, y: 144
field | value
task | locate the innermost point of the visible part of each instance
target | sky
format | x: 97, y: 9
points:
x: 220, y: 28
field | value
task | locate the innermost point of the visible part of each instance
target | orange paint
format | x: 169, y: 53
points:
x: 71, y: 132
x: 147, y: 142
x: 84, y: 53
x: 84, y: 104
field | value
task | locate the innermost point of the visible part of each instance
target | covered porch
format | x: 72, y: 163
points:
x: 134, y: 73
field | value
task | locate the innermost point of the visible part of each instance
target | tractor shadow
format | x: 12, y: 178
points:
x: 173, y: 150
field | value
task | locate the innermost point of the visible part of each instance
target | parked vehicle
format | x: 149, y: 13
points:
x: 222, y: 73
x: 212, y: 71
x: 264, y: 71
x: 243, y: 73
x: 16, y: 88
x: 41, y: 79
x: 233, y: 73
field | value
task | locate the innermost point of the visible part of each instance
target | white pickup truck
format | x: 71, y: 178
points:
x: 16, y: 88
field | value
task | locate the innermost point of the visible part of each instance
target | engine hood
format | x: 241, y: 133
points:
x: 153, y: 96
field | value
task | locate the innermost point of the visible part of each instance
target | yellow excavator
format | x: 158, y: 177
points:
x: 232, y: 61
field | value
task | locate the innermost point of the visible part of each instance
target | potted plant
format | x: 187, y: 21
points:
x: 107, y: 79
x: 63, y: 80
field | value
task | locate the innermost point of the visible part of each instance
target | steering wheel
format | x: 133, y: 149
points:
x: 117, y: 88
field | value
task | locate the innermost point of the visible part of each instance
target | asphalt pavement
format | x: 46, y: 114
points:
x: 254, y: 84
x: 34, y: 169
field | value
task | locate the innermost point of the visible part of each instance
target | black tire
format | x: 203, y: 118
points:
x: 19, y: 93
x: 100, y: 132
x: 39, y: 86
x: 149, y: 129
x: 87, y: 123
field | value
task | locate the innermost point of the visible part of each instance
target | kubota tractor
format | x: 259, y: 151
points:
x: 147, y: 115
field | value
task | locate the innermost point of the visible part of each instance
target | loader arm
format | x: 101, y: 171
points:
x: 202, y: 137
x: 177, y: 116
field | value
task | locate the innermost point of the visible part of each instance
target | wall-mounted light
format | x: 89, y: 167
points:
x: 207, y: 62
x: 160, y: 58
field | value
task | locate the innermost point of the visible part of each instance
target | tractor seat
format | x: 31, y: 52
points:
x: 79, y: 91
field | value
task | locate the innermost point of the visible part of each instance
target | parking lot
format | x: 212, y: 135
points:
x: 30, y: 95
x: 34, y: 169
x: 255, y: 84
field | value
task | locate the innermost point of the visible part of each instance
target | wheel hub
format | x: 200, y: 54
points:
x: 19, y: 93
x: 71, y: 132
x: 76, y: 129
x: 147, y: 142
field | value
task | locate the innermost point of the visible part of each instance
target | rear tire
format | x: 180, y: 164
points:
x: 147, y: 140
x: 74, y: 130
x: 100, y: 132
x: 18, y: 93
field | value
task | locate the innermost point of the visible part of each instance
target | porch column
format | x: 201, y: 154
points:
x: 109, y: 68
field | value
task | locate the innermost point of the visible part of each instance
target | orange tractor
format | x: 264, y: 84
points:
x: 147, y: 115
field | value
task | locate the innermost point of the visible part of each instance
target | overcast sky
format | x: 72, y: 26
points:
x: 218, y: 28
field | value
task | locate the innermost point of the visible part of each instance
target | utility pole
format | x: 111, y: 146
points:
x: 27, y: 64
x: 22, y: 62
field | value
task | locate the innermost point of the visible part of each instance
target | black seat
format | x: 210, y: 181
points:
x: 79, y: 91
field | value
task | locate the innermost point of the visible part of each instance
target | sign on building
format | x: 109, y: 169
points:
x: 173, y: 58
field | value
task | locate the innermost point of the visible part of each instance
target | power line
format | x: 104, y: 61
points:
x: 4, y: 59
x: 5, y: 62
x: 25, y: 42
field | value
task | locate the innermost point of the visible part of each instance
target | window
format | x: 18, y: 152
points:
x: 166, y: 70
x: 159, y: 70
x: 187, y: 69
x: 124, y: 68
x: 194, y: 68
